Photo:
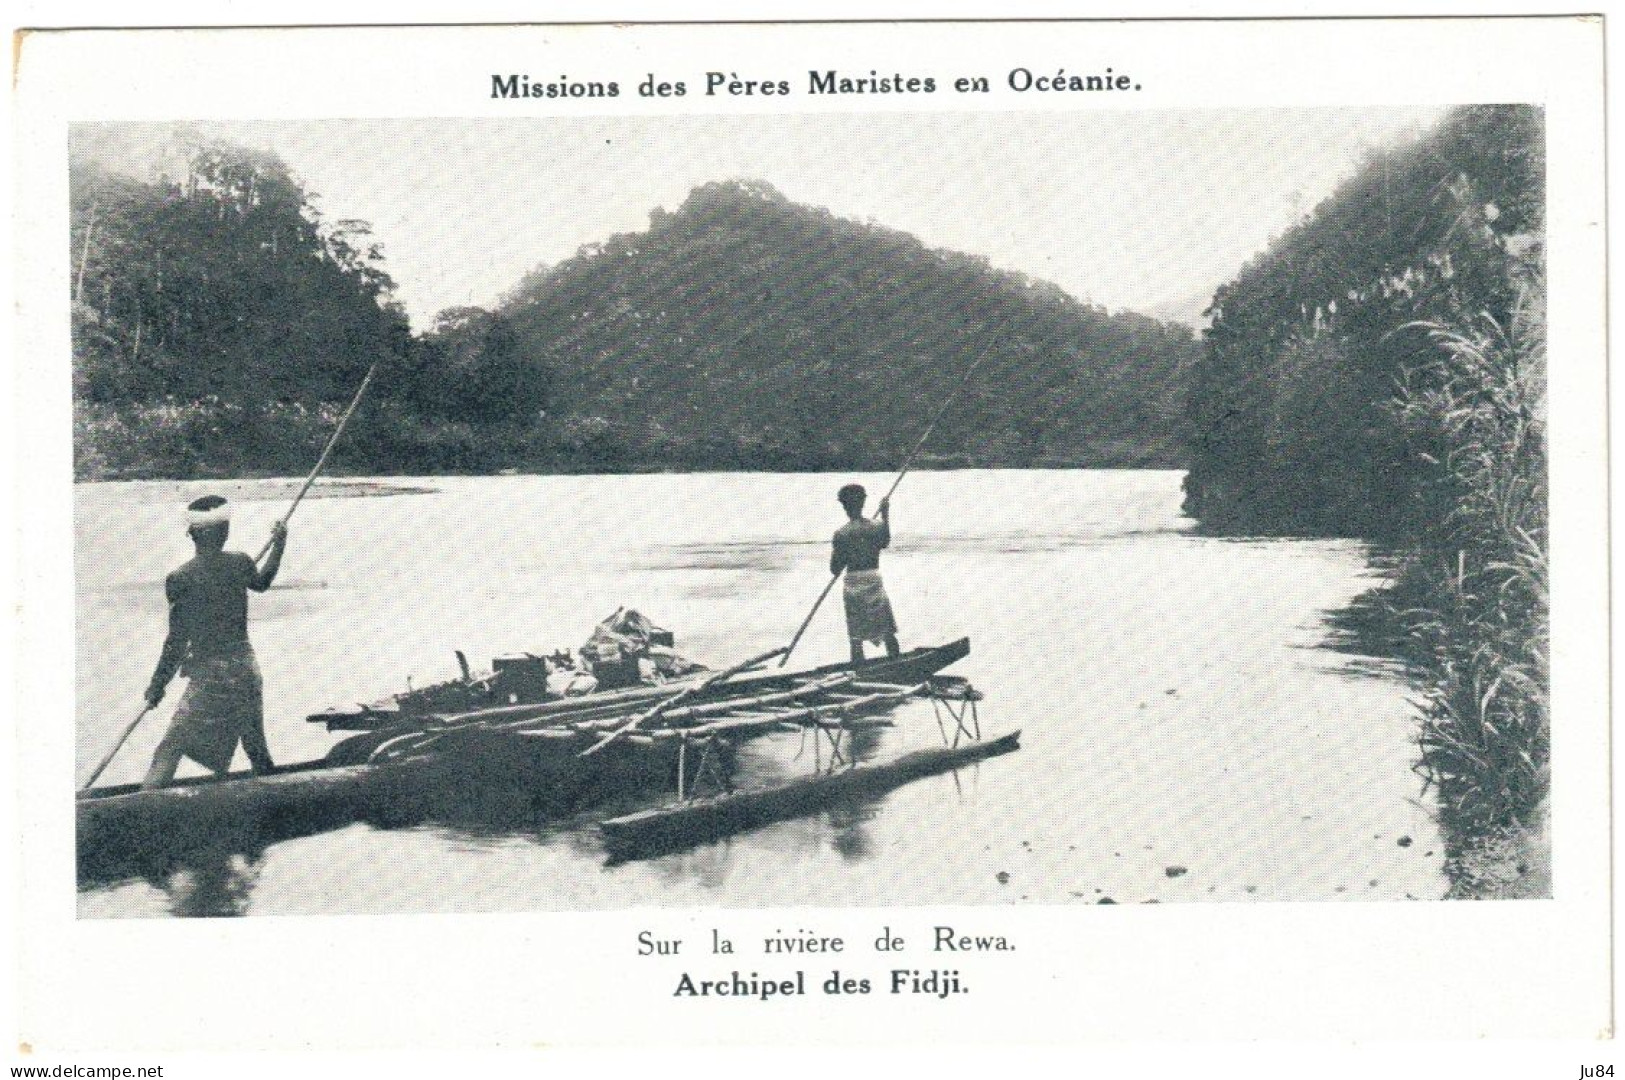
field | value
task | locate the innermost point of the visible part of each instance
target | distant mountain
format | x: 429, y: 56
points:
x: 746, y: 331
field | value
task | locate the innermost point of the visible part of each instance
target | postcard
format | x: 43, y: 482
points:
x: 836, y: 533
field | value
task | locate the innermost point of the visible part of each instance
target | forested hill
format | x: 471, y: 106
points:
x: 220, y: 324
x: 745, y: 330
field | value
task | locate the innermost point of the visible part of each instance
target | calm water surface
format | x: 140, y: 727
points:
x: 1186, y: 733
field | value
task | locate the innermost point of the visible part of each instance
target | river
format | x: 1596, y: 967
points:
x: 1187, y: 733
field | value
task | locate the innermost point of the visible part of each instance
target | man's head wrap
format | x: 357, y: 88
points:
x: 209, y: 510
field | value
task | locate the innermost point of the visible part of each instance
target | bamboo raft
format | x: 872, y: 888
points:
x: 570, y: 752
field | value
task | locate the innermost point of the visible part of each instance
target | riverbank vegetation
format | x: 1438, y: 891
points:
x: 1380, y: 371
x: 220, y: 322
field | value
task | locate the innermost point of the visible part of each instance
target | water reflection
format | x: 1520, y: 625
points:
x: 484, y: 797
x: 1088, y: 599
x: 208, y: 882
x: 772, y: 556
x: 498, y: 802
x: 756, y: 767
x: 832, y: 800
x: 849, y: 834
x: 501, y: 793
x: 846, y: 823
x: 759, y: 556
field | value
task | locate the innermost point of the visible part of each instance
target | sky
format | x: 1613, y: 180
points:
x: 1148, y: 211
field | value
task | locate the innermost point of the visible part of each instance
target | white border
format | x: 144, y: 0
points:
x: 1332, y: 971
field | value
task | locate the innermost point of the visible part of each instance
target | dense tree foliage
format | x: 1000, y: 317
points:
x: 1380, y: 371
x: 746, y: 331
x: 220, y: 323
x: 1292, y: 415
x: 218, y: 320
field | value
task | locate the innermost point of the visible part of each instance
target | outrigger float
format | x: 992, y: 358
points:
x: 572, y: 752
x: 689, y: 822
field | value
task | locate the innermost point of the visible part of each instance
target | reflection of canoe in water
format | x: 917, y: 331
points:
x: 396, y: 773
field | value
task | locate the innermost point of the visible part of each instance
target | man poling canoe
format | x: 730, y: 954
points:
x: 208, y: 644
x: 855, y: 549
x: 208, y: 623
x: 868, y: 595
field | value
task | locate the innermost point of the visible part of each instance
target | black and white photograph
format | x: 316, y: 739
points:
x: 725, y: 483
x: 1210, y: 508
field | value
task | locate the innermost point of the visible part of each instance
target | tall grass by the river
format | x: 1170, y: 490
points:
x: 1473, y: 594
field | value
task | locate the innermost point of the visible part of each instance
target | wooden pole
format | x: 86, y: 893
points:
x: 680, y: 697
x: 682, y: 763
x: 309, y: 480
x: 908, y: 463
x: 802, y: 629
x: 108, y: 760
x: 327, y: 450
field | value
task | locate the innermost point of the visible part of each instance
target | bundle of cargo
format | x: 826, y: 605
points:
x: 627, y: 649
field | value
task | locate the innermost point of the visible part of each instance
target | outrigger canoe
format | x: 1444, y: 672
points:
x: 393, y: 771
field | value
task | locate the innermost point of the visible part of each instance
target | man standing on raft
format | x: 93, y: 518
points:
x: 208, y: 635
x: 856, y: 549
